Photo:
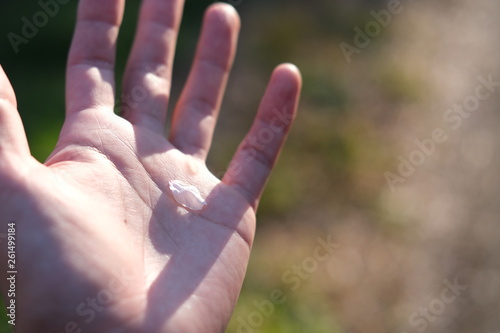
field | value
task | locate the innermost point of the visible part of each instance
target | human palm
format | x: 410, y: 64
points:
x: 102, y: 244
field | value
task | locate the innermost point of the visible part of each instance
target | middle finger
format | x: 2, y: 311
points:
x: 147, y: 80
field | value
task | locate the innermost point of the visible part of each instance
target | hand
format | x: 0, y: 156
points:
x: 102, y: 246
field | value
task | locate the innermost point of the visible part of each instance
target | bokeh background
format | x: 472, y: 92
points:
x: 398, y: 250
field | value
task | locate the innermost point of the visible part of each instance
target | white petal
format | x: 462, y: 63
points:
x: 186, y: 195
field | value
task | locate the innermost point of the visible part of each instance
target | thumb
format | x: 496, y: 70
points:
x: 12, y: 136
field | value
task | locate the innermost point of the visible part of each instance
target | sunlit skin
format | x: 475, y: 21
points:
x: 101, y: 244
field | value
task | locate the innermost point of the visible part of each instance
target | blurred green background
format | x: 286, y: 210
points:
x: 395, y: 247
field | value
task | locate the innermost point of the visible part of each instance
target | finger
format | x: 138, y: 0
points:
x: 257, y: 154
x: 90, y: 75
x: 196, y: 113
x: 146, y: 86
x: 12, y: 137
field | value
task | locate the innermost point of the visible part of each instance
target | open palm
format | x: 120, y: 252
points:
x: 102, y: 245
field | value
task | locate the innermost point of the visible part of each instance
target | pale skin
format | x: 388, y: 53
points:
x: 101, y: 245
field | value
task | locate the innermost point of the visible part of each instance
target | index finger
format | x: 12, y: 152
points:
x: 91, y: 62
